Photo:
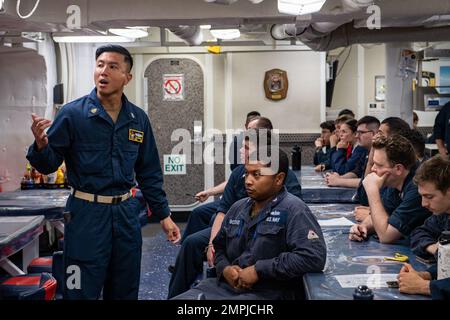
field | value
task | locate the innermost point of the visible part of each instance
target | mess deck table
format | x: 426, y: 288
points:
x: 48, y: 203
x: 19, y: 234
x: 350, y: 264
x: 315, y: 190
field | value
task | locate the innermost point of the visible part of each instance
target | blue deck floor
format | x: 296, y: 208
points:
x: 157, y: 255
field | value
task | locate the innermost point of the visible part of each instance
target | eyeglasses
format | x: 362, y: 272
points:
x: 361, y: 132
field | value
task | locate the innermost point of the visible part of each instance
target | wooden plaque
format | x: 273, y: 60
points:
x: 276, y: 84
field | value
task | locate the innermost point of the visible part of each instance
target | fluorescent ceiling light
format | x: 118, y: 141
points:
x: 91, y: 39
x: 226, y: 34
x: 299, y: 7
x: 129, y: 32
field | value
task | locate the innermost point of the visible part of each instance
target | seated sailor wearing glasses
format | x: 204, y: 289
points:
x: 267, y: 241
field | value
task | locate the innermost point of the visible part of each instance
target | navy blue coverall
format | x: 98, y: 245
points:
x: 441, y: 129
x: 429, y: 233
x: 189, y: 262
x: 323, y: 156
x: 103, y: 240
x: 342, y: 165
x: 283, y: 241
x: 424, y: 236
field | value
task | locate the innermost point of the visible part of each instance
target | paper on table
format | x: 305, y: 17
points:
x: 372, y: 280
x: 335, y: 222
x: 336, y: 212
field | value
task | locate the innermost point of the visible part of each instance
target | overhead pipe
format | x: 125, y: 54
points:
x: 192, y: 35
x: 305, y: 31
x: 345, y: 31
x: 347, y: 35
x: 285, y: 31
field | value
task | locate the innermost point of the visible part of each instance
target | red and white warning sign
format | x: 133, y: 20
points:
x: 173, y: 87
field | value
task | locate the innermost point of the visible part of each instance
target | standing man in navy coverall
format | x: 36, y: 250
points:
x: 441, y: 130
x: 107, y: 144
x: 433, y: 180
x: 267, y: 241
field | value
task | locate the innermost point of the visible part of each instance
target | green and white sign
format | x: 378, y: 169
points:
x: 174, y: 164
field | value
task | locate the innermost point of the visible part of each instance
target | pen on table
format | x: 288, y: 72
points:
x: 340, y: 230
x: 351, y: 232
x: 191, y: 195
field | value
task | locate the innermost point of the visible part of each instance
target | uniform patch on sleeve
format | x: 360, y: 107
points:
x: 312, y: 235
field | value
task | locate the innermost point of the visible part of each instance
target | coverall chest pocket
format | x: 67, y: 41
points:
x: 234, y: 239
x: 130, y: 155
x: 269, y: 240
x: 233, y: 230
x: 91, y: 157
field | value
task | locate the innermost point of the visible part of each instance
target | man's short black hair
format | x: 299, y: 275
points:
x: 262, y: 122
x: 115, y: 48
x: 371, y: 122
x: 346, y: 111
x: 396, y: 125
x: 253, y: 114
x: 328, y: 125
x: 416, y: 139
